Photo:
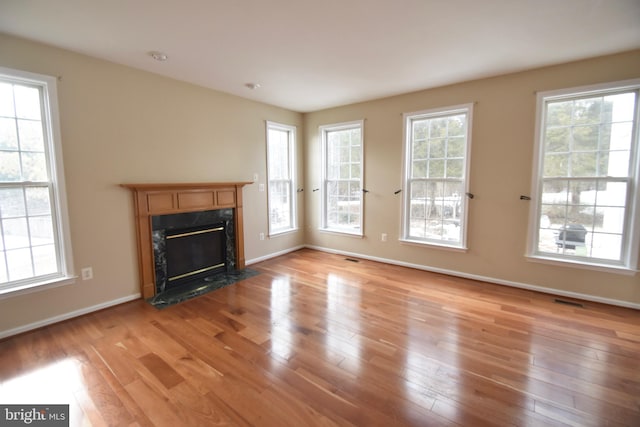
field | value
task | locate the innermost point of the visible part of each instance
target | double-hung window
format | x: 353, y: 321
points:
x: 585, y: 185
x: 34, y: 241
x: 281, y: 178
x: 436, y: 167
x: 342, y: 172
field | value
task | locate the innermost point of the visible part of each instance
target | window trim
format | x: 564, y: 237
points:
x: 324, y: 130
x: 291, y: 130
x: 631, y: 244
x: 59, y: 211
x: 406, y: 170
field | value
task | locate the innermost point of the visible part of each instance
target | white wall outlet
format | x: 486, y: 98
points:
x: 255, y: 177
x: 86, y: 273
x: 260, y: 187
x: 383, y: 237
x: 261, y: 236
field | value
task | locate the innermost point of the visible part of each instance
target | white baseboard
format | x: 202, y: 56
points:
x: 66, y: 316
x: 494, y: 280
x: 274, y: 255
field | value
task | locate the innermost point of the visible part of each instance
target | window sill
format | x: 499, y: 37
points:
x: 283, y: 232
x: 36, y: 287
x: 434, y: 245
x: 626, y: 271
x: 339, y: 232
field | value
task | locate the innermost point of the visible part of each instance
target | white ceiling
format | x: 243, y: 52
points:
x: 314, y: 54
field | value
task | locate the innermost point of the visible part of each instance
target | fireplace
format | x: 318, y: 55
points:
x: 191, y: 247
x: 186, y: 232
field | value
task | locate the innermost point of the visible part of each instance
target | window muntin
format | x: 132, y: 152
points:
x: 586, y: 185
x: 281, y: 174
x: 437, y: 144
x: 34, y: 244
x: 342, y: 207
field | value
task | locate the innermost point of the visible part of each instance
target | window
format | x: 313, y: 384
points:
x: 34, y: 244
x: 436, y: 170
x: 281, y: 174
x: 585, y: 186
x: 342, y: 170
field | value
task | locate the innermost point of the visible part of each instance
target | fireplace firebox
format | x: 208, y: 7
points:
x: 189, y: 247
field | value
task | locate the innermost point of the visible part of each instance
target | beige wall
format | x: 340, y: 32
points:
x: 501, y: 163
x: 122, y: 125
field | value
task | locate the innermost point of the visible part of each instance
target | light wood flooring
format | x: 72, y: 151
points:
x: 319, y: 340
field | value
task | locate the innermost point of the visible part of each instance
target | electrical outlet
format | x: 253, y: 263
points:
x: 260, y: 187
x: 86, y: 273
x: 255, y: 177
x: 383, y: 237
x: 261, y: 236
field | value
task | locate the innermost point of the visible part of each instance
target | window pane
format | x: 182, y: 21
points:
x: 8, y: 134
x: 27, y: 102
x: 20, y: 265
x: 556, y: 165
x: 16, y: 234
x: 559, y: 113
x: 455, y: 168
x: 455, y: 147
x: 557, y: 139
x: 419, y: 169
x: 38, y: 200
x: 34, y: 166
x: 436, y: 168
x: 585, y: 138
x: 7, y: 108
x: 436, y: 148
x: 45, y: 259
x: 583, y: 164
x: 41, y: 230
x: 11, y: 203
x: 30, y: 133
x: 587, y: 111
x: 9, y: 166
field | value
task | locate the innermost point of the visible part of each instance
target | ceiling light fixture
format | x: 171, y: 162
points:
x: 158, y: 56
x: 253, y: 86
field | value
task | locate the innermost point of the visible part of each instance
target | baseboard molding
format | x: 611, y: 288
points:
x: 274, y: 255
x: 552, y: 291
x: 66, y: 316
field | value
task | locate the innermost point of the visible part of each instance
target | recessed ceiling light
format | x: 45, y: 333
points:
x: 158, y: 56
x: 253, y: 86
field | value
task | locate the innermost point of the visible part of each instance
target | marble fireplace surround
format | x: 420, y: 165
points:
x: 153, y: 200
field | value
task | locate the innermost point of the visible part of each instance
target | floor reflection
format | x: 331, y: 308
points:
x: 281, y: 328
x: 59, y: 383
x: 424, y: 374
x: 343, y: 321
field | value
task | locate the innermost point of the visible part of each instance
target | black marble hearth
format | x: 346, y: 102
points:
x: 199, y: 287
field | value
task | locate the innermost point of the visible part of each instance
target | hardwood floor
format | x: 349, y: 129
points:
x: 318, y: 340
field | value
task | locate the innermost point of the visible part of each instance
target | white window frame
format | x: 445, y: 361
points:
x: 324, y: 223
x: 291, y: 154
x: 631, y: 231
x: 435, y: 113
x: 53, y: 149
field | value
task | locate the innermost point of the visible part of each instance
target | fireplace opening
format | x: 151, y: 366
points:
x: 194, y: 253
x: 192, y: 247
